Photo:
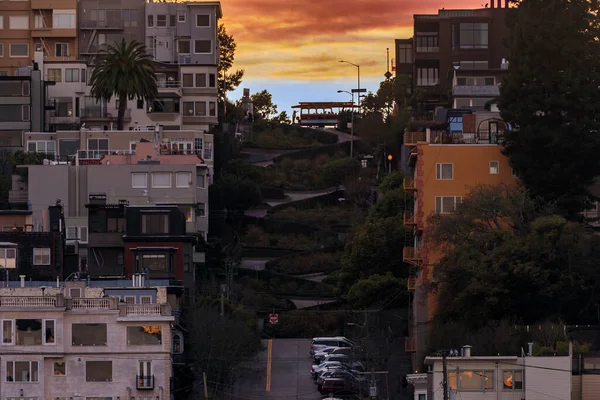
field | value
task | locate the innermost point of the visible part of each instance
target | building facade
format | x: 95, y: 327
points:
x: 444, y: 166
x: 84, y: 342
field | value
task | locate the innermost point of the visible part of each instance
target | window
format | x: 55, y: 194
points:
x: 212, y: 80
x: 146, y: 300
x: 55, y: 74
x: 97, y: 147
x: 88, y: 334
x: 200, y: 80
x: 476, y: 380
x: 83, y: 234
x: 98, y: 371
x: 139, y: 180
x: 202, y: 46
x: 29, y: 332
x: 427, y: 44
x: 494, y: 167
x: 172, y: 20
x: 427, y: 76
x: 161, y: 180
x: 59, y: 368
x: 72, y: 233
x: 8, y: 257
x: 405, y: 53
x: 200, y: 109
x: 188, y: 80
x: 183, y: 179
x: 153, y: 262
x: 19, y: 50
x: 446, y: 205
x: 1, y: 21
x: 422, y: 397
x: 177, y: 348
x: 144, y: 335
x: 470, y: 35
x: 208, y: 151
x: 200, y: 181
x: 25, y: 112
x: 198, y: 145
x: 140, y: 104
x: 49, y: 330
x: 41, y: 256
x: 61, y: 49
x: 445, y: 171
x: 21, y: 371
x: 150, y: 21
x: 181, y: 17
x: 2, y: 73
x: 155, y: 223
x: 202, y: 20
x: 201, y: 210
x: 72, y: 74
x: 183, y: 47
x: 212, y: 108
x: 74, y: 292
x: 512, y: 380
x: 161, y: 21
x: 63, y: 19
x: 473, y: 64
x: 8, y: 333
x: 18, y: 22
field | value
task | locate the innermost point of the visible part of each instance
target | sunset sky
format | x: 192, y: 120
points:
x: 292, y: 48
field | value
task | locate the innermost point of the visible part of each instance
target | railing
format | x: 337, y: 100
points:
x: 108, y: 113
x: 479, y: 90
x: 144, y: 382
x: 89, y: 49
x: 28, y: 301
x: 412, y: 253
x: 95, y: 24
x: 410, y: 345
x: 80, y: 302
x: 410, y: 218
x: 168, y: 84
x: 18, y: 196
x: 409, y: 184
x: 483, y: 137
x: 412, y: 138
x: 98, y: 154
x: 143, y: 309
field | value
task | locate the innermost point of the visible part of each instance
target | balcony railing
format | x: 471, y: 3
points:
x: 409, y: 184
x: 145, y: 310
x: 410, y: 345
x: 168, y: 84
x: 93, y: 113
x: 412, y: 138
x: 492, y: 90
x: 144, y: 382
x: 99, y: 154
x: 409, y: 218
x: 95, y: 24
x: 28, y: 301
x: 78, y: 303
x: 412, y: 254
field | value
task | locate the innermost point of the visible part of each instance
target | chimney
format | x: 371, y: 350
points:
x: 466, y: 351
x: 530, y: 349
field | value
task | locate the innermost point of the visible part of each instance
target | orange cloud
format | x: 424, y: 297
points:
x: 305, y: 39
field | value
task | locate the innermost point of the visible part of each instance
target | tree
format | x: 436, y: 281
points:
x: 503, y: 251
x: 392, y: 204
x: 227, y: 81
x: 236, y: 194
x: 550, y: 97
x: 124, y: 70
x: 263, y: 104
x: 282, y: 118
x: 336, y: 171
x: 382, y: 290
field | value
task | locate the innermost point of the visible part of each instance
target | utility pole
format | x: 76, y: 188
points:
x: 445, y: 373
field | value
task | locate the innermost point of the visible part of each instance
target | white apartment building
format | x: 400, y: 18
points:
x: 85, y: 343
x: 495, y: 378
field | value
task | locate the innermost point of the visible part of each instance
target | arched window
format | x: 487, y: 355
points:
x: 177, y: 345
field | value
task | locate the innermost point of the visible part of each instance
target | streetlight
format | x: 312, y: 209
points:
x: 351, y: 122
x: 358, y: 68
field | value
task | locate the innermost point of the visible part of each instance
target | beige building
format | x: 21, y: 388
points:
x: 46, y: 26
x: 85, y: 342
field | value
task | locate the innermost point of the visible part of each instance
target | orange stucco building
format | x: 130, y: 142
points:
x: 445, y: 168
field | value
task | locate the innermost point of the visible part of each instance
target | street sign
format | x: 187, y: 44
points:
x: 388, y: 75
x: 273, y: 318
x: 359, y: 90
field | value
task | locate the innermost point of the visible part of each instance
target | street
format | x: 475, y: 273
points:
x: 282, y: 371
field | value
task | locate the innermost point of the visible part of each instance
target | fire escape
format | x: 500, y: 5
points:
x: 94, y: 26
x: 42, y: 24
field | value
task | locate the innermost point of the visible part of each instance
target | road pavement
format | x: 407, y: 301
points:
x: 281, y: 371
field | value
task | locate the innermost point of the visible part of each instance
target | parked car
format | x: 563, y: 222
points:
x: 319, y: 355
x: 337, y: 357
x: 339, y: 387
x: 319, y: 343
x: 316, y: 369
x: 339, y: 373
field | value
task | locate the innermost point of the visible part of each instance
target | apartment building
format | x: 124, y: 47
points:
x: 466, y: 40
x: 107, y: 22
x: 22, y: 105
x: 495, y: 377
x: 78, y: 341
x: 444, y: 166
x: 37, y: 25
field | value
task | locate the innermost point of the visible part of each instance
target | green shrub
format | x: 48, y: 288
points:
x: 336, y: 171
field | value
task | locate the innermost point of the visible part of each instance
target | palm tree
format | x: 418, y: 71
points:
x: 126, y: 71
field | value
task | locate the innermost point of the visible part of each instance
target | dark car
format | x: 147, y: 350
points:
x: 339, y: 387
x: 339, y: 373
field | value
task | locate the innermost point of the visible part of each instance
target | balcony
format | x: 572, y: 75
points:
x: 63, y: 119
x: 168, y: 84
x: 409, y: 184
x: 158, y: 310
x: 103, y: 114
x: 18, y: 196
x: 488, y: 91
x: 411, y: 284
x: 144, y: 382
x: 89, y: 49
x: 412, y: 254
x: 410, y: 345
x: 412, y: 138
x: 93, y: 24
x: 29, y: 301
x: 410, y: 218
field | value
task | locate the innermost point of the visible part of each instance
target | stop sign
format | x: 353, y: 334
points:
x: 273, y: 318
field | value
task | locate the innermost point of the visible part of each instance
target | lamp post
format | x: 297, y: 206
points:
x: 358, y: 68
x: 351, y: 122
